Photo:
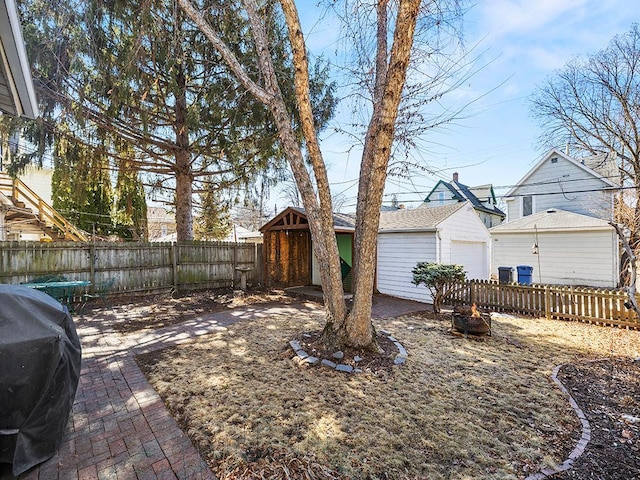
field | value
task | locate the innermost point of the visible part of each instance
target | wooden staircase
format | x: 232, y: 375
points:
x: 29, y: 209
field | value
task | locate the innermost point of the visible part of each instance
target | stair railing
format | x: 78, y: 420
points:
x: 20, y: 192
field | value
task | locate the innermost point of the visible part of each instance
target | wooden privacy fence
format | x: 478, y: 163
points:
x: 559, y: 302
x: 140, y: 267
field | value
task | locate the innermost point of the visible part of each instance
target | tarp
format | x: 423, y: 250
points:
x: 40, y: 359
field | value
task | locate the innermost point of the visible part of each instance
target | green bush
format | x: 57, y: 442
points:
x: 440, y: 279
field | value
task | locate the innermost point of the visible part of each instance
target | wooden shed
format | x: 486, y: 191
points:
x: 288, y: 254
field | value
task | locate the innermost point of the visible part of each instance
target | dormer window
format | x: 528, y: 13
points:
x: 440, y: 197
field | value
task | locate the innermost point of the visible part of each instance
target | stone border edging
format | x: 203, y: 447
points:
x: 304, y: 358
x: 582, y: 443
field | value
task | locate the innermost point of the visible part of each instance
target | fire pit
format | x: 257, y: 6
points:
x: 470, y: 321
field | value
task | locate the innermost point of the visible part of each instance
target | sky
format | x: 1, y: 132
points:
x: 521, y: 43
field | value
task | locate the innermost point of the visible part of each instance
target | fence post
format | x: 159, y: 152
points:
x: 174, y: 265
x: 235, y: 265
x: 547, y: 303
x: 92, y: 266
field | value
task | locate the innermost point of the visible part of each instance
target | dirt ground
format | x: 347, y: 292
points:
x: 459, y: 408
x: 608, y: 392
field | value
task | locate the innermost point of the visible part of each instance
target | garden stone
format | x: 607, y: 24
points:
x: 399, y: 360
x: 311, y: 360
x: 295, y: 345
x: 338, y: 355
x: 357, y: 358
x: 392, y: 338
x: 401, y: 349
x: 328, y: 363
x: 357, y: 370
x: 344, y: 368
x: 302, y: 354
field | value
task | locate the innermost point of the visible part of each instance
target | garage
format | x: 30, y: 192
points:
x: 473, y: 255
x: 444, y: 234
x: 563, y: 248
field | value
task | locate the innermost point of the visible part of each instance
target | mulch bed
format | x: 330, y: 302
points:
x: 608, y: 392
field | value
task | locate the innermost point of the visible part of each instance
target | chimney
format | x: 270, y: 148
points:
x: 455, y: 176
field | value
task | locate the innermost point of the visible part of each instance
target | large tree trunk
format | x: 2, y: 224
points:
x: 390, y: 79
x: 183, y: 170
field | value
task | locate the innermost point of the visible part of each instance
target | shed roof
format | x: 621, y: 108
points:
x: 17, y: 95
x: 552, y: 220
x: 292, y: 218
x: 418, y: 219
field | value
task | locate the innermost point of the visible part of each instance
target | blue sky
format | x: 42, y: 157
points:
x: 522, y: 42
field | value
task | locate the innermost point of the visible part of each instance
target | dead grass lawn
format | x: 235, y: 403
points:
x: 459, y: 408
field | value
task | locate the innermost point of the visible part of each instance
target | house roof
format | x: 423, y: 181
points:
x: 17, y: 95
x: 554, y: 152
x: 552, y: 220
x: 463, y: 193
x: 417, y: 219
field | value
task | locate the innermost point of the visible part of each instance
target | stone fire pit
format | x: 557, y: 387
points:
x: 470, y: 321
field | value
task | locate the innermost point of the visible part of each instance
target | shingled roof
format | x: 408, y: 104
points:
x: 418, y: 219
x: 552, y: 220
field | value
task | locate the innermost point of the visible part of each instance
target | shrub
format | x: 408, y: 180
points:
x: 440, y: 279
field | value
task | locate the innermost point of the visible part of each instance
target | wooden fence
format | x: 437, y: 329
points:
x: 603, y: 306
x: 140, y: 267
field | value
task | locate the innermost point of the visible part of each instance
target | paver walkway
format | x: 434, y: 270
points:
x: 119, y: 428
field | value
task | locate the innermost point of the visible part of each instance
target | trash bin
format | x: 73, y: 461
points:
x: 505, y: 274
x: 525, y: 274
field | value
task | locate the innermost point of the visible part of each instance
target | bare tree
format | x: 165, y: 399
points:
x: 593, y: 105
x: 392, y: 48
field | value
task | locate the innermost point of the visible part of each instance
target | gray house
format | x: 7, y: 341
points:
x: 583, y: 186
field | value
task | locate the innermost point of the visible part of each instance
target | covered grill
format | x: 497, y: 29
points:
x: 40, y: 358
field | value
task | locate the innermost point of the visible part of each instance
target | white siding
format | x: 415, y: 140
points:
x: 398, y: 254
x: 39, y: 180
x: 434, y: 197
x: 565, y: 258
x: 565, y: 186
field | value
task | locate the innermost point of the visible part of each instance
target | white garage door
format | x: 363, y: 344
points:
x: 473, y: 256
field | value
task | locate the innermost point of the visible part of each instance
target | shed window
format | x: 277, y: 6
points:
x: 527, y: 205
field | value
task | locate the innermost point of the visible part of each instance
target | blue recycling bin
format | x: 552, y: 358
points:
x: 525, y: 274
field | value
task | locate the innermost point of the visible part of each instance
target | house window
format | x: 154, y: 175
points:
x: 554, y: 160
x: 527, y: 205
x: 440, y: 197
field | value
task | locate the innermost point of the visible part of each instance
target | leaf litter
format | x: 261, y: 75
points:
x: 460, y: 408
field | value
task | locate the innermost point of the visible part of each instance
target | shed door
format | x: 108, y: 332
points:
x: 472, y: 256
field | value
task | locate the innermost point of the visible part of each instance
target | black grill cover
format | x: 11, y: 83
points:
x: 40, y: 360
